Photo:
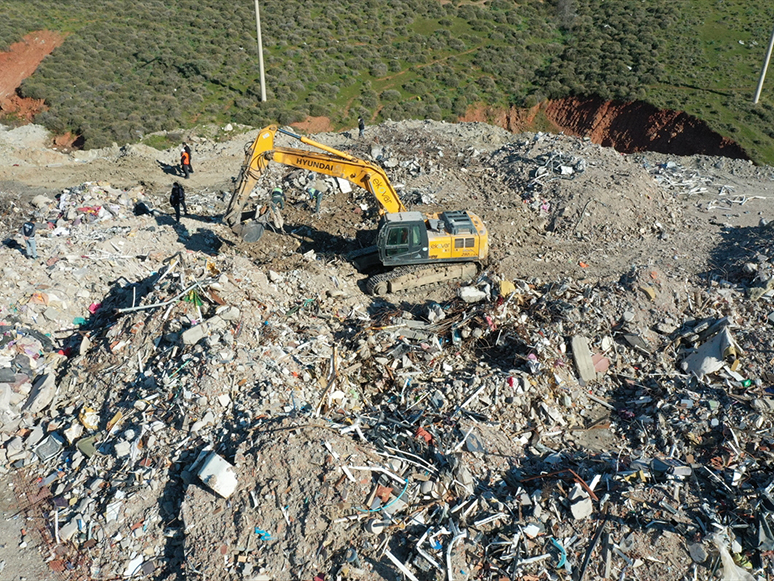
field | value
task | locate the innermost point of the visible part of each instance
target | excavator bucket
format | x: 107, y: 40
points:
x: 251, y: 231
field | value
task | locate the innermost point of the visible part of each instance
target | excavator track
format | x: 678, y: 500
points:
x: 410, y: 277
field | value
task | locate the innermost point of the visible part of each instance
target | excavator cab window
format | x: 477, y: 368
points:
x: 397, y: 240
x: 416, y: 237
x: 405, y: 240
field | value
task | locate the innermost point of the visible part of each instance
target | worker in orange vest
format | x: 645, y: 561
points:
x: 185, y: 163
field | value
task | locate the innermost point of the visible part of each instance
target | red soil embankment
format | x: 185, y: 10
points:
x: 20, y: 62
x: 627, y: 127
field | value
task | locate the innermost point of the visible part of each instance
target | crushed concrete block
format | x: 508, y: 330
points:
x: 435, y: 313
x: 42, y: 394
x: 194, y: 334
x: 122, y: 449
x: 207, y: 420
x: 218, y: 475
x: 5, y: 398
x: 583, y: 361
x: 14, y: 446
x: 134, y: 566
x: 67, y: 531
x: 35, y: 436
x: 228, y: 313
x: 73, y: 432
x: 471, y: 294
x: 698, y: 552
x: 580, y: 503
x: 41, y: 201
x: 216, y: 324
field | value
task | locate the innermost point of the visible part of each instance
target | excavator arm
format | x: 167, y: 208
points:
x: 252, y: 169
x: 330, y: 161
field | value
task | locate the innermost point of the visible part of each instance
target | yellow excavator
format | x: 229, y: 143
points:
x: 417, y: 249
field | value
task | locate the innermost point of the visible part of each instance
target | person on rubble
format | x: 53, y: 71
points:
x: 361, y: 125
x: 185, y: 162
x: 28, y: 233
x: 315, y: 196
x: 187, y: 149
x: 278, y: 198
x: 177, y: 199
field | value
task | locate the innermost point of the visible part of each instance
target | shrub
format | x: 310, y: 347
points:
x: 390, y: 95
x: 460, y: 106
x: 433, y: 111
x: 369, y: 98
x: 378, y: 69
x: 456, y: 44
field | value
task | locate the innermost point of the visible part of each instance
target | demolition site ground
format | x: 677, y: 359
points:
x: 178, y: 404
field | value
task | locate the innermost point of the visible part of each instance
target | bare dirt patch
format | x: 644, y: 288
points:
x: 22, y: 109
x: 314, y: 124
x: 24, y: 57
x: 21, y: 60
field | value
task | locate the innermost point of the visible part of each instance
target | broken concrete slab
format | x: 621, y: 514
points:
x: 471, y: 294
x: 710, y: 357
x: 582, y: 357
x: 42, y: 394
x: 218, y: 475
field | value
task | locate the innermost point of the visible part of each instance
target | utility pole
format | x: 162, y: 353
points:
x: 260, y: 50
x: 763, y: 70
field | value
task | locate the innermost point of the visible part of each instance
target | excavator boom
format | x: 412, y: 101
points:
x: 333, y: 163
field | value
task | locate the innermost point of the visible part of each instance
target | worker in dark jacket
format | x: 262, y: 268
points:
x: 177, y: 199
x: 361, y: 125
x: 278, y: 198
x: 185, y: 163
x: 28, y: 232
x: 315, y: 196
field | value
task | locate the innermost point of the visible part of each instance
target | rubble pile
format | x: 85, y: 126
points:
x: 173, y: 407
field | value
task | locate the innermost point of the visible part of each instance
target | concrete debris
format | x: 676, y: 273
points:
x: 176, y: 404
x: 711, y: 356
x: 218, y: 475
x: 583, y: 360
x: 471, y: 294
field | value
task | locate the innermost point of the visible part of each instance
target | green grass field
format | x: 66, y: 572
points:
x: 130, y: 69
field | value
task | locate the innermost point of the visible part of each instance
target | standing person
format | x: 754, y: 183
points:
x: 278, y: 198
x: 315, y: 196
x: 185, y: 163
x: 177, y: 199
x: 190, y: 159
x: 361, y: 125
x: 28, y: 232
